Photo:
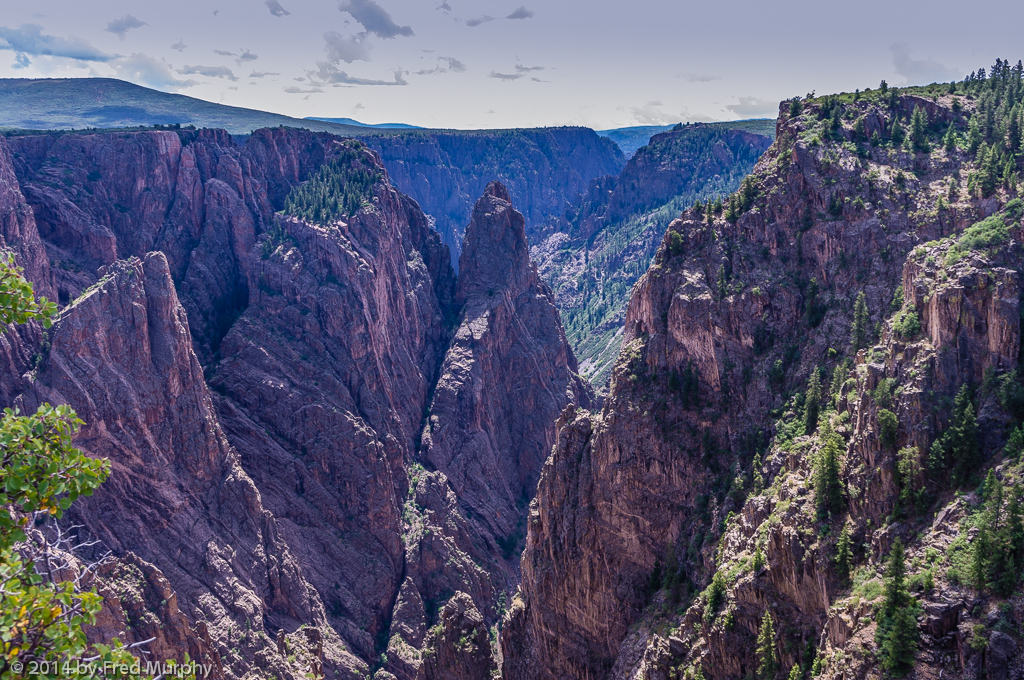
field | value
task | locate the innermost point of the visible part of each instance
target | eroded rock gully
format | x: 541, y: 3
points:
x: 261, y: 385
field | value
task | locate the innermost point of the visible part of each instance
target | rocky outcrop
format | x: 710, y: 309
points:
x: 641, y: 503
x: 545, y: 170
x: 122, y: 357
x: 458, y: 646
x: 593, y: 254
x: 507, y: 375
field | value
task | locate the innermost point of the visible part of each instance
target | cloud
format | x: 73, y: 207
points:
x: 538, y: 80
x: 650, y: 114
x: 527, y: 69
x: 444, y: 65
x: 29, y: 39
x: 358, y: 107
x: 521, y: 13
x: 208, y: 71
x: 145, y: 70
x: 374, y: 18
x: 262, y: 74
x: 479, y: 21
x: 919, y: 71
x: 291, y: 89
x: 21, y: 61
x: 225, y: 53
x: 120, y: 27
x: 346, y: 48
x: 445, y: 7
x: 329, y: 74
x: 180, y: 45
x: 245, y: 56
x: 275, y: 8
x: 505, y: 76
x: 752, y: 107
x: 697, y: 77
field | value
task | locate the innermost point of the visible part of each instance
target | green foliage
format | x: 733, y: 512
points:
x: 959, y: 444
x: 861, y: 323
x: 907, y: 324
x: 883, y: 392
x: 998, y: 545
x: 919, y: 131
x: 758, y: 559
x: 17, y: 303
x: 987, y: 233
x: 795, y: 673
x: 1015, y: 443
x: 767, y: 657
x: 908, y: 469
x: 812, y: 402
x: 41, y: 475
x: 888, y: 427
x: 714, y: 597
x: 844, y: 556
x: 828, y: 485
x: 339, y: 188
x: 897, y: 634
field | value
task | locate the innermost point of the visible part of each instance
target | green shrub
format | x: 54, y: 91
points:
x: 339, y: 188
x: 907, y: 324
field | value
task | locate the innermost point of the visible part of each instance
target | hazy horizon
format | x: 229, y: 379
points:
x: 494, y: 65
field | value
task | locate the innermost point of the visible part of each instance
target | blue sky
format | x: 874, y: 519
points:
x: 488, y: 63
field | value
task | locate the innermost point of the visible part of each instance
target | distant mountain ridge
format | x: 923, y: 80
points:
x: 356, y: 123
x: 630, y: 139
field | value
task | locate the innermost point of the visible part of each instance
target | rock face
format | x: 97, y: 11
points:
x: 261, y: 385
x: 545, y: 170
x: 699, y: 461
x: 463, y: 651
x: 593, y: 254
x: 507, y: 374
x: 122, y: 357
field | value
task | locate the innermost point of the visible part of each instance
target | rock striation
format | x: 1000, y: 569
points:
x: 261, y: 384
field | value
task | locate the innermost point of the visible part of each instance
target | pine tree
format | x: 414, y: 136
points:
x: 844, y: 558
x: 795, y: 673
x: 979, y: 558
x: 949, y: 141
x: 828, y: 486
x: 812, y: 403
x: 861, y: 323
x: 919, y: 131
x: 767, y: 659
x: 961, y: 439
x: 758, y: 559
x: 974, y: 138
x: 897, y: 134
x: 758, y: 478
x: 897, y: 634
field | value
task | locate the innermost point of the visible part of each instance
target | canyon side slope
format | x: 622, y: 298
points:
x: 255, y: 337
x: 824, y: 370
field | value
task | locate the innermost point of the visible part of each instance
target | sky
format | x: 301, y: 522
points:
x: 500, y: 63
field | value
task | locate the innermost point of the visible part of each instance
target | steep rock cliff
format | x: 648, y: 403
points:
x: 507, y: 375
x: 698, y: 463
x: 592, y: 255
x: 545, y: 170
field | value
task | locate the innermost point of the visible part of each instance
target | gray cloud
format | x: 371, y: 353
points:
x: 275, y: 8
x: 330, y: 74
x: 444, y: 65
x: 245, y: 56
x: 374, y: 18
x: 291, y: 89
x: 346, y: 48
x: 445, y: 7
x: 21, y: 61
x: 538, y: 80
x: 650, y: 114
x: 527, y: 69
x: 29, y: 39
x: 752, y: 107
x: 479, y: 20
x: 144, y: 69
x: 263, y: 74
x: 120, y: 27
x: 521, y: 13
x: 208, y: 71
x: 505, y: 76
x: 180, y: 45
x: 919, y: 71
x: 225, y: 53
x: 697, y: 77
